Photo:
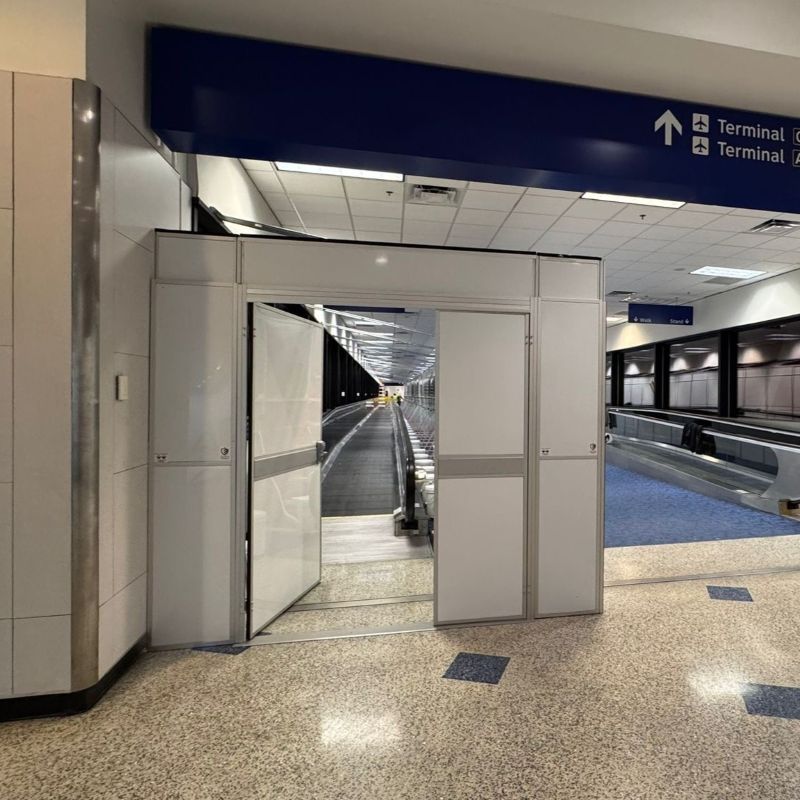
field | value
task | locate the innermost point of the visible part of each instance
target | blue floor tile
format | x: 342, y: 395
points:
x: 772, y: 701
x: 729, y: 593
x: 227, y: 649
x: 642, y: 510
x: 477, y: 668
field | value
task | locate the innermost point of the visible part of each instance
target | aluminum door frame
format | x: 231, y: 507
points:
x: 525, y: 306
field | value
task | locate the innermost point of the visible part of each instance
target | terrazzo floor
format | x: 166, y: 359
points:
x: 372, y: 580
x: 701, y: 558
x: 641, y: 703
x: 353, y: 617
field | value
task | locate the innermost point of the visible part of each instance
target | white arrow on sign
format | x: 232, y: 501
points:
x: 669, y: 122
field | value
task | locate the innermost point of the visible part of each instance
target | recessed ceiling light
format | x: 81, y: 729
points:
x: 341, y: 172
x: 636, y: 201
x: 728, y: 272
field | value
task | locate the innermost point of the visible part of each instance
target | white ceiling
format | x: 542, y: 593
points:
x: 652, y: 256
x: 399, y: 347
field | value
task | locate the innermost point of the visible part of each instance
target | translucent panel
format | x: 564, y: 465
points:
x: 287, y: 383
x: 285, y: 541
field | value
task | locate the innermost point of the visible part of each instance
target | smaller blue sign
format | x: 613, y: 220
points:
x: 646, y: 314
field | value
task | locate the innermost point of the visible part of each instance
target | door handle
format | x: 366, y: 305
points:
x: 321, y: 451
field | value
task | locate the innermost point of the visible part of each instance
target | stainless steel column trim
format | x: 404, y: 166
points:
x: 85, y: 399
x: 481, y: 466
x: 268, y: 466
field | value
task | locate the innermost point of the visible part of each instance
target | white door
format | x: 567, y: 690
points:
x: 482, y: 399
x: 285, y: 428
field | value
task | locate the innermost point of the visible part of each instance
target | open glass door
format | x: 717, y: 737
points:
x: 285, y: 451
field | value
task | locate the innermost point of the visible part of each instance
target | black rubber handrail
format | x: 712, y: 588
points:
x: 406, y: 468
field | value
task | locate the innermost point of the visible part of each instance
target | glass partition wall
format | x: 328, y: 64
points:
x: 694, y: 375
x: 639, y: 377
x: 746, y: 372
x: 768, y: 371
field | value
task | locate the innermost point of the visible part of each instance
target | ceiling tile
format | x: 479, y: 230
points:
x: 426, y: 213
x: 576, y: 225
x: 473, y: 231
x: 368, y: 189
x: 682, y: 247
x: 719, y: 251
x: 266, y: 182
x: 433, y: 239
x: 690, y: 219
x: 553, y: 192
x: 663, y: 233
x: 311, y: 204
x: 750, y: 212
x: 703, y: 235
x: 614, y: 228
x: 377, y: 236
x: 513, y: 239
x: 784, y: 243
x: 491, y: 201
x: 497, y: 187
x: 532, y: 222
x: 539, y: 204
x: 321, y: 220
x: 744, y: 240
x: 593, y: 209
x: 253, y: 165
x: 376, y: 224
x: 734, y: 223
x: 707, y: 209
x: 278, y: 201
x: 641, y: 245
x: 425, y: 232
x: 376, y: 208
x: 634, y: 213
x: 305, y: 183
x: 332, y: 233
x: 479, y: 216
x: 604, y: 241
x: 289, y: 218
x: 428, y: 181
x: 468, y: 241
x: 558, y: 242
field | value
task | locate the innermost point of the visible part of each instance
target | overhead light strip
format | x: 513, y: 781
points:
x: 636, y: 201
x: 728, y: 272
x: 340, y: 172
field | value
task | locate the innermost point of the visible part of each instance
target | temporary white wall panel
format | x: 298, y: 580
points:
x: 481, y: 384
x: 567, y: 571
x: 206, y: 259
x: 307, y: 265
x: 568, y: 344
x: 481, y: 397
x: 480, y: 548
x: 507, y: 515
x: 193, y: 373
x: 191, y: 547
x: 560, y: 277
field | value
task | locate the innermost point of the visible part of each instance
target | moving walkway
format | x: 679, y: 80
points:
x: 746, y: 462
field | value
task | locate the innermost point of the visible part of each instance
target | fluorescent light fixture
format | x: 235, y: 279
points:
x: 728, y: 272
x: 636, y: 201
x: 340, y: 172
x: 616, y: 318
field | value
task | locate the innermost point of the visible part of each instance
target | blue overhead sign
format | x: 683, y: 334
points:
x: 647, y: 314
x: 223, y: 95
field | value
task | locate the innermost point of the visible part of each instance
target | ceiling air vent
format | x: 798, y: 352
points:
x: 433, y: 195
x: 775, y: 226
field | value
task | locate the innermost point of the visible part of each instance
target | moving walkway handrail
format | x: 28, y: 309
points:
x: 406, y: 467
x: 786, y: 484
x: 341, y: 411
x: 710, y: 431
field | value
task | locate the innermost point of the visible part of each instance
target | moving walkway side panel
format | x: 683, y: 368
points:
x: 481, y: 519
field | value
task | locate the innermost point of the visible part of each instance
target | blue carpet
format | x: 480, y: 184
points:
x: 641, y: 510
